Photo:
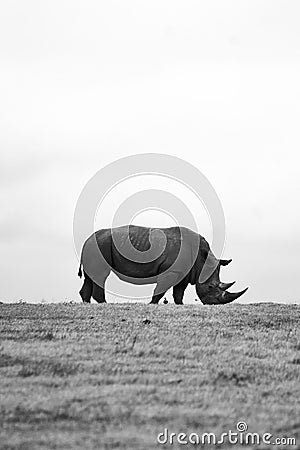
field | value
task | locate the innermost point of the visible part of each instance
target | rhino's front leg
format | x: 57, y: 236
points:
x: 178, y: 292
x: 156, y: 297
x: 164, y: 283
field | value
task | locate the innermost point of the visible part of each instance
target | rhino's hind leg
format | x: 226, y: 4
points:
x: 98, y: 293
x: 86, y: 290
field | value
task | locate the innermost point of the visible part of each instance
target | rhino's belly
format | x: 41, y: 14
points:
x: 125, y: 269
x: 138, y: 280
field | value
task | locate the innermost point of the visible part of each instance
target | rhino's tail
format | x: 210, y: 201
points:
x: 80, y: 270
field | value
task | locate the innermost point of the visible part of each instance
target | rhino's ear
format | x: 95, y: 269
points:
x: 225, y: 262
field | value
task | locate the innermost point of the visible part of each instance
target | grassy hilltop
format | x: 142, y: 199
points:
x: 114, y: 376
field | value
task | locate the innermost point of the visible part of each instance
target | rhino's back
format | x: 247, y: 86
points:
x: 140, y: 236
x: 165, y: 242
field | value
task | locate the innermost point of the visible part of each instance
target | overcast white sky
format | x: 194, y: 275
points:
x: 85, y: 83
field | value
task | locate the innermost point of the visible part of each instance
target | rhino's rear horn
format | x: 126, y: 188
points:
x: 228, y: 297
x: 225, y: 286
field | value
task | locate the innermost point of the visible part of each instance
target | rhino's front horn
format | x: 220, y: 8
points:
x: 225, y: 286
x: 228, y: 297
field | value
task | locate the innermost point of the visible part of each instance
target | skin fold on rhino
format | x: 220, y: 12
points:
x: 170, y: 257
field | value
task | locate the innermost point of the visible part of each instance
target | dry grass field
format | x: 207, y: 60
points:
x: 114, y: 376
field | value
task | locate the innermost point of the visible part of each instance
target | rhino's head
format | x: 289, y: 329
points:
x: 213, y: 291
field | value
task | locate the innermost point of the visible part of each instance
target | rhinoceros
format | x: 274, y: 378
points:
x: 170, y: 257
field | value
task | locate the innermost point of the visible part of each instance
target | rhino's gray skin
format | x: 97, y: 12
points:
x: 166, y: 270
